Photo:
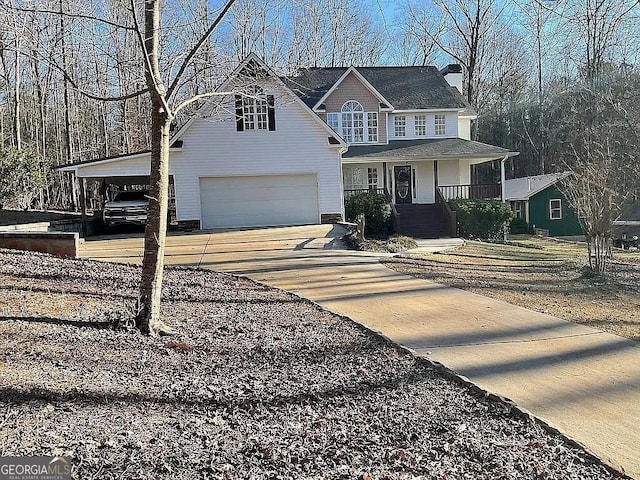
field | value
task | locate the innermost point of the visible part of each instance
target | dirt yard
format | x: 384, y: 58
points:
x: 257, y: 384
x: 543, y: 275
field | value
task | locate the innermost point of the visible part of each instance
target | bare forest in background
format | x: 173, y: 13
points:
x: 523, y: 60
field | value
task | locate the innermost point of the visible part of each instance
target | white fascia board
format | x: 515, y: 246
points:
x: 363, y: 80
x: 75, y: 168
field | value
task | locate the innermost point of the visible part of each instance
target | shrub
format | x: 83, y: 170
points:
x: 22, y: 174
x: 376, y: 209
x: 519, y: 226
x: 481, y: 218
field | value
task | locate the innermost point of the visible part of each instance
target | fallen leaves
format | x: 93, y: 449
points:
x: 257, y: 384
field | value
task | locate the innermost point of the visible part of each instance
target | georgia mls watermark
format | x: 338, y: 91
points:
x: 35, y: 468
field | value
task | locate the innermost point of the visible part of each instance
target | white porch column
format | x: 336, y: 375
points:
x: 503, y: 177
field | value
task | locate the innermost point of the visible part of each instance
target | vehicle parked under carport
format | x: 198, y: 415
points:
x: 127, y: 208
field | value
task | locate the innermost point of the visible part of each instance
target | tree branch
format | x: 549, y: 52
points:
x: 77, y: 15
x: 197, y: 47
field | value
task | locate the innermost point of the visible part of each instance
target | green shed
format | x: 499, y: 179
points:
x: 540, y: 202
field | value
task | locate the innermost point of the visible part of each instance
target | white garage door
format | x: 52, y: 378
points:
x: 259, y: 201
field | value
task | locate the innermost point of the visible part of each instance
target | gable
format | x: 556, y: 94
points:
x: 254, y: 71
x: 351, y: 88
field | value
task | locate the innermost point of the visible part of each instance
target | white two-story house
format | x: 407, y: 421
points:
x: 408, y: 131
x: 271, y: 150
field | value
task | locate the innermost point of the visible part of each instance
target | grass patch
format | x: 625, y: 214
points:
x: 545, y: 275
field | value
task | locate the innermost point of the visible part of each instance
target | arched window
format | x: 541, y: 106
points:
x: 353, y: 122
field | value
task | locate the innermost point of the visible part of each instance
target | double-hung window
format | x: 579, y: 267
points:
x: 372, y: 177
x: 353, y: 178
x: 555, y: 209
x: 420, y: 125
x: 439, y: 124
x: 399, y: 126
x: 333, y: 120
x: 372, y: 126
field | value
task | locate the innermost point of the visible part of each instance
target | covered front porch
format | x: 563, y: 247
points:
x: 420, y: 177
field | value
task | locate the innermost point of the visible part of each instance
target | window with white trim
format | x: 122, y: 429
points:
x: 353, y: 178
x: 439, y: 124
x: 372, y: 126
x: 400, y: 126
x: 354, y: 124
x: 518, y: 208
x: 555, y: 209
x: 372, y: 177
x: 420, y: 125
x: 333, y: 120
x: 255, y: 110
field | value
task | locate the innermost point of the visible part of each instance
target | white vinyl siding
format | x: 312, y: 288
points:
x: 253, y: 201
x: 464, y: 128
x: 299, y: 146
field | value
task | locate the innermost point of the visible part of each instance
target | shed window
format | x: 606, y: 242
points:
x: 555, y: 209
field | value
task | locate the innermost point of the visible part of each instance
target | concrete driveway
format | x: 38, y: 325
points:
x: 580, y: 380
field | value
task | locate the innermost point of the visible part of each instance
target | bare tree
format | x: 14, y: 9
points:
x: 164, y: 79
x: 596, y: 140
x: 163, y: 112
x: 598, y: 31
x: 420, y: 26
x: 331, y: 33
x: 465, y: 30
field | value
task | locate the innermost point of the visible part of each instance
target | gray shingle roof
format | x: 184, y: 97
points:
x: 407, y: 88
x: 428, y: 149
x: 526, y: 187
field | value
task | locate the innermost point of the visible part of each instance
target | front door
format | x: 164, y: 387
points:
x: 403, y: 183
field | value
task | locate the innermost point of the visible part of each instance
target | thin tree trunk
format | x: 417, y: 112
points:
x: 148, y: 318
x: 17, y: 135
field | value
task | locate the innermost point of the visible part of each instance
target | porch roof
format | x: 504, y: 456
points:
x: 428, y: 149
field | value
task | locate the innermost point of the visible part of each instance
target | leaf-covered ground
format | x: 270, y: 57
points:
x: 543, y: 275
x: 258, y: 384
